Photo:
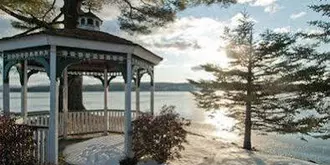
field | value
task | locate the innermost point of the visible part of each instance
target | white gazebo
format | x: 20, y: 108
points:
x: 82, y: 51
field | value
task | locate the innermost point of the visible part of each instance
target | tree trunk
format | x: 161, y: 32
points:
x: 75, y: 96
x: 71, y: 9
x: 248, y: 124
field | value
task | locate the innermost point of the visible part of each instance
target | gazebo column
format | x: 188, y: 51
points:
x: 52, y: 144
x: 152, y: 93
x: 137, y: 93
x: 105, y: 86
x: 128, y: 110
x: 5, y: 88
x: 6, y: 96
x: 65, y: 103
x: 24, y: 91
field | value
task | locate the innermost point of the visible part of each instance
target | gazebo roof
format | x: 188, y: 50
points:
x: 79, y: 39
x: 80, y: 34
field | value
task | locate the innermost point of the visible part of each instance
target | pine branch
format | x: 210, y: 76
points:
x: 57, y: 17
x: 49, y: 10
x: 29, y: 20
x: 28, y: 31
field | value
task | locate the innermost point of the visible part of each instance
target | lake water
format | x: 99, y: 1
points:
x: 287, y: 145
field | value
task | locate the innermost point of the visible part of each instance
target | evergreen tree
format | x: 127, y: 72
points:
x: 263, y: 86
x: 320, y: 88
x: 323, y: 26
x: 135, y: 17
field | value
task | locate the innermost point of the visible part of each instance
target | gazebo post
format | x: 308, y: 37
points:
x: 65, y: 103
x: 128, y: 113
x: 24, y: 92
x: 5, y: 92
x: 152, y: 93
x: 105, y: 86
x: 137, y: 93
x: 52, y: 143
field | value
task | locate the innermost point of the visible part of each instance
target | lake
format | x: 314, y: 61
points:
x: 287, y: 145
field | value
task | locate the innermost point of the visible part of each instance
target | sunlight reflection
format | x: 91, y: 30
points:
x: 223, y: 126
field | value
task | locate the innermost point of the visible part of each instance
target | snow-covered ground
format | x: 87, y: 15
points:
x: 107, y: 150
x: 208, y: 151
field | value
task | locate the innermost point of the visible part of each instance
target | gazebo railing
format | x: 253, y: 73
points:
x: 83, y: 122
x: 40, y: 138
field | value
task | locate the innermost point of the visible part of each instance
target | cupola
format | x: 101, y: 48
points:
x: 89, y: 21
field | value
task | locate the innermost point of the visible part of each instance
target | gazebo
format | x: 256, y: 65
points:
x: 81, y: 51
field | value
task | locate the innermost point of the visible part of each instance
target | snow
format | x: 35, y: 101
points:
x: 108, y: 150
x: 208, y: 151
x: 105, y: 150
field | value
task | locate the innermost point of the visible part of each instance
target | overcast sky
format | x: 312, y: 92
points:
x: 194, y: 37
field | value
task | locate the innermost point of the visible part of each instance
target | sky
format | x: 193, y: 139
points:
x: 194, y: 38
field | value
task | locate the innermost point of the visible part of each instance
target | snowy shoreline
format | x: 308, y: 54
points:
x: 200, y: 150
x: 209, y: 151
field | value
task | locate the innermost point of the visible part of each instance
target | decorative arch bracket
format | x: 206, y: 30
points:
x: 101, y: 78
x: 6, y: 69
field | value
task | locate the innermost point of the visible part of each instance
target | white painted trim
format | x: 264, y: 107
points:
x: 147, y: 55
x: 88, y: 44
x: 24, y: 92
x: 152, y: 94
x: 94, y: 73
x: 6, y: 98
x: 23, y: 42
x: 128, y: 114
x: 5, y: 90
x: 65, y: 102
x: 53, y: 114
x: 137, y: 93
x: 105, y: 86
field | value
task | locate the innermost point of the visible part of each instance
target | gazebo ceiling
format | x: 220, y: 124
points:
x: 95, y: 66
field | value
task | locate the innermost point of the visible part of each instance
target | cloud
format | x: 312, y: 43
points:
x: 187, y: 33
x: 177, y: 43
x: 283, y: 29
x: 109, y: 12
x: 244, y: 1
x: 264, y: 2
x: 298, y: 15
x: 235, y: 20
x: 270, y: 6
x: 186, y: 43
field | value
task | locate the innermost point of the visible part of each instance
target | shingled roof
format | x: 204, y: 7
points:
x: 81, y: 34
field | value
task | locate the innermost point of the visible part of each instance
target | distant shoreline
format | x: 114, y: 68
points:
x: 160, y: 87
x: 93, y: 91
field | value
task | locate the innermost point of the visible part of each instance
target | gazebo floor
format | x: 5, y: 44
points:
x: 103, y: 150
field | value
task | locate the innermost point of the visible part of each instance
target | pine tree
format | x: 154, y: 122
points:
x: 320, y: 88
x: 264, y: 85
x: 324, y: 26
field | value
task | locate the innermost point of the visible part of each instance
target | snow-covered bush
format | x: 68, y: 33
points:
x: 16, y: 143
x: 160, y: 137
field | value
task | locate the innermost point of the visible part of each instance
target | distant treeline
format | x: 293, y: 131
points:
x: 119, y: 87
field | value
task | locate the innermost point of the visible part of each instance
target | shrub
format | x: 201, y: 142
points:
x: 16, y: 143
x: 128, y: 161
x: 159, y: 137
